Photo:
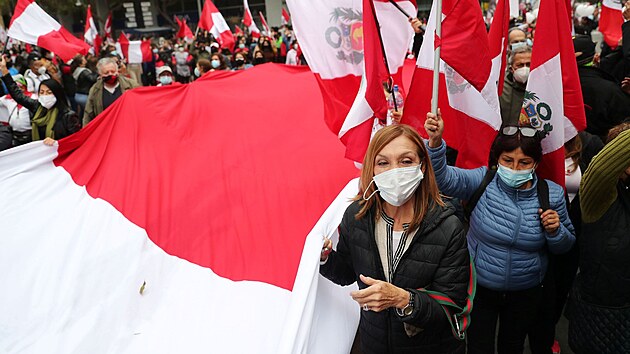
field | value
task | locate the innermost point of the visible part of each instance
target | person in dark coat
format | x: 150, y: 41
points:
x: 599, y: 306
x: 605, y: 102
x: 396, y: 238
x: 52, y: 119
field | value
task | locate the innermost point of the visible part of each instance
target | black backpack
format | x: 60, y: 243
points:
x: 542, y: 189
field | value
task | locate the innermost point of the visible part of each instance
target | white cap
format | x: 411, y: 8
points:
x: 584, y: 10
x: 160, y: 70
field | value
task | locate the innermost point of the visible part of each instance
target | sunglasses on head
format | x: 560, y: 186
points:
x: 525, y: 131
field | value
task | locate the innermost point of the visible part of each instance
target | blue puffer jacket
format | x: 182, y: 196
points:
x: 506, y: 238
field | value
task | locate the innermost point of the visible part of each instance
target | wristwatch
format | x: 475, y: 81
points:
x: 407, y: 310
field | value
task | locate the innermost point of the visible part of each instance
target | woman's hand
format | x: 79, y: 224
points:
x: 326, y: 249
x: 49, y: 141
x: 550, y: 221
x: 380, y: 295
x: 3, y: 65
x: 434, y: 125
x: 416, y: 24
x: 397, y: 116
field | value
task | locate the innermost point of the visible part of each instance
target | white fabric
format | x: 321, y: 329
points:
x: 20, y: 117
x: 218, y: 25
x: 252, y: 27
x: 612, y: 4
x: 73, y: 267
x: 91, y: 32
x: 135, y: 52
x: 396, y: 236
x: 31, y: 24
x: 292, y: 57
x: 572, y: 178
x: 324, y: 38
x: 484, y: 105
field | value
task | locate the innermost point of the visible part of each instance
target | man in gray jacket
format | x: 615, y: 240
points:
x: 107, y: 88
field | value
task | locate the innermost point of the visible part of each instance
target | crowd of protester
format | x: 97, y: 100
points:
x: 536, y: 246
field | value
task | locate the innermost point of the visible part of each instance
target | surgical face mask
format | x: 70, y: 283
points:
x: 47, y: 101
x: 514, y: 178
x: 197, y: 72
x: 155, y: 50
x: 514, y: 46
x: 397, y: 186
x: 529, y: 42
x: 521, y: 74
x: 41, y: 70
x: 181, y: 49
x: 216, y: 63
x: 166, y: 80
x: 241, y: 45
x: 295, y: 46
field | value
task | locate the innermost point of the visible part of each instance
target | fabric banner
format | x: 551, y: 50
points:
x: 170, y: 228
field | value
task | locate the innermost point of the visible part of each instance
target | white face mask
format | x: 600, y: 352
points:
x: 521, y: 74
x: 41, y: 70
x: 397, y: 186
x: 47, y: 100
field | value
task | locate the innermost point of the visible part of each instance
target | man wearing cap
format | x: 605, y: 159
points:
x: 107, y: 89
x: 35, y: 73
x: 605, y: 103
x: 164, y: 75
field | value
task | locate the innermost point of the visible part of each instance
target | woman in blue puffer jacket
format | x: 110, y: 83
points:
x: 509, y: 235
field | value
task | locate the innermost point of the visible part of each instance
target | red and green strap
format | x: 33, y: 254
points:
x: 460, y: 320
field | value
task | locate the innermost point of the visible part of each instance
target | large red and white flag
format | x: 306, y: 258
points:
x: 331, y: 34
x: 90, y: 31
x: 265, y: 26
x: 468, y: 98
x: 108, y: 28
x: 286, y: 18
x: 610, y: 21
x: 31, y: 24
x: 135, y: 52
x: 145, y: 232
x: 553, y: 97
x: 498, y: 43
x: 248, y: 21
x: 212, y: 21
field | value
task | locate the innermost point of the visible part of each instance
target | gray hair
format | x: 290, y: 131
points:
x: 516, y: 29
x: 104, y: 61
x: 519, y: 50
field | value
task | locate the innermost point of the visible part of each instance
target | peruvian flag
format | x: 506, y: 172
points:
x: 286, y: 18
x: 136, y: 52
x: 610, y: 21
x: 248, y: 21
x: 31, y: 24
x: 98, y: 42
x: 184, y: 31
x: 265, y: 26
x: 331, y: 34
x: 90, y: 31
x: 145, y: 232
x: 108, y: 27
x: 212, y: 21
x: 498, y: 42
x: 468, y: 97
x: 238, y: 31
x: 553, y: 97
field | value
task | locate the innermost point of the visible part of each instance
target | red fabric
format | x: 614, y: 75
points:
x: 238, y: 31
x: 498, y: 37
x: 375, y: 70
x: 124, y: 44
x: 63, y: 44
x: 217, y: 189
x: 184, y: 31
x: 88, y: 18
x: 285, y: 16
x: 108, y: 26
x: 264, y: 23
x: 98, y: 42
x: 20, y: 6
x: 610, y: 21
x: 147, y: 53
x: 464, y: 36
x: 470, y: 137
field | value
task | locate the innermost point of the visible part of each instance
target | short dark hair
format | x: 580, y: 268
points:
x: 531, y: 147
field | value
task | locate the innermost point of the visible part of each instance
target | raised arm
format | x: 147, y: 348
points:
x: 14, y: 90
x: 452, y: 181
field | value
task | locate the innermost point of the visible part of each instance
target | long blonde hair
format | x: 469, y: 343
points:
x: 426, y: 193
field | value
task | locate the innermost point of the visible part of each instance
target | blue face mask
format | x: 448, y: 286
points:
x: 514, y: 178
x: 166, y: 80
x: 215, y: 63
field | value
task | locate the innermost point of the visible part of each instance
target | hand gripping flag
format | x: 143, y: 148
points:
x: 212, y: 21
x: 471, y: 117
x: 331, y: 34
x: 147, y: 232
x: 31, y: 24
x: 553, y: 98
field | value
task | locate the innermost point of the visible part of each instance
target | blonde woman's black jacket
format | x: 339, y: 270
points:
x: 437, y: 260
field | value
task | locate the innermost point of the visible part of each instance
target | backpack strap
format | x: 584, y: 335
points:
x: 474, y: 199
x: 458, y: 318
x: 542, y: 189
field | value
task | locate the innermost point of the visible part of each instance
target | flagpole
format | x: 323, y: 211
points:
x: 400, y: 9
x: 436, y: 57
